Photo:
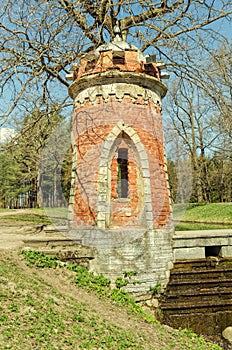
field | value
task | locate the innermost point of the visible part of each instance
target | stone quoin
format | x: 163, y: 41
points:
x: 119, y: 202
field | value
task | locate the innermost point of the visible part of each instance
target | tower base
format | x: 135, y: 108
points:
x: 117, y: 252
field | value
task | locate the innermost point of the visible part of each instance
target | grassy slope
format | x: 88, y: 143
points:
x: 43, y: 309
x: 209, y: 216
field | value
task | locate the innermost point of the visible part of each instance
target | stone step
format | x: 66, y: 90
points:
x: 199, y: 295
x: 219, y: 273
x: 51, y: 242
x: 55, y: 229
x: 65, y: 249
x: 202, y: 322
x: 188, y: 298
x: 189, y: 307
x: 206, y: 263
x: 68, y: 253
x: 198, y: 285
x: 225, y: 292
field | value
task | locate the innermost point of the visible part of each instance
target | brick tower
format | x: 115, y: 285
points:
x: 119, y: 202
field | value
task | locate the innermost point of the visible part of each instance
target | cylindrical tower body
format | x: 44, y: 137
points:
x: 119, y: 200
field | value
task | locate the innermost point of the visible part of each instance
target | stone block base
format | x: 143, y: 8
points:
x: 146, y: 252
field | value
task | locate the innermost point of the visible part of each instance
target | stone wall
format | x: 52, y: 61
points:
x: 200, y: 244
x: 147, y: 252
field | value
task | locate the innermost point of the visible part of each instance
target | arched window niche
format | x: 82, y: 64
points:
x: 124, y: 198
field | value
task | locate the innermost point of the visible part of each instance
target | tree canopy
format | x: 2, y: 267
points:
x: 40, y: 39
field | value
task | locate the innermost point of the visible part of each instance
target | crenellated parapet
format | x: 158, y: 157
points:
x: 118, y: 56
x: 120, y: 92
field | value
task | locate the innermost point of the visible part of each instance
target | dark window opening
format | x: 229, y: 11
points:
x: 119, y: 58
x: 212, y: 250
x: 122, y: 181
x: 149, y: 69
x: 90, y: 65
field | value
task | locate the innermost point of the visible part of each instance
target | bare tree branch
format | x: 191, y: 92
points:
x: 39, y: 40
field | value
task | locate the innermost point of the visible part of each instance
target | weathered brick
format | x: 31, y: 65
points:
x: 118, y: 109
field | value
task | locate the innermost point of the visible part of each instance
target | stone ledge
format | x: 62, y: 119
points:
x: 191, y: 244
x: 112, y: 77
x: 202, y: 233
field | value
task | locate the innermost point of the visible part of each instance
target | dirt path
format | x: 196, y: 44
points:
x: 12, y: 236
x: 12, y: 233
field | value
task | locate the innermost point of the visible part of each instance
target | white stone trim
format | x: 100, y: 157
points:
x: 104, y: 182
x: 119, y: 90
x: 73, y: 180
x: 117, y: 77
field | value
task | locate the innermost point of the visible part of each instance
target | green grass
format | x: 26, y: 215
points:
x: 187, y: 226
x: 203, y: 217
x: 36, y: 315
x: 3, y: 210
x: 35, y: 215
x: 29, y: 218
x: 57, y: 216
x: 60, y: 212
x: 91, y: 282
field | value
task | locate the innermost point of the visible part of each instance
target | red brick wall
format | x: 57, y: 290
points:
x: 105, y: 61
x: 126, y: 210
x: 91, y: 126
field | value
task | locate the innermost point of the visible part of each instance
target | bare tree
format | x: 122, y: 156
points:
x: 21, y: 157
x: 220, y: 77
x: 193, y: 118
x: 39, y: 40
